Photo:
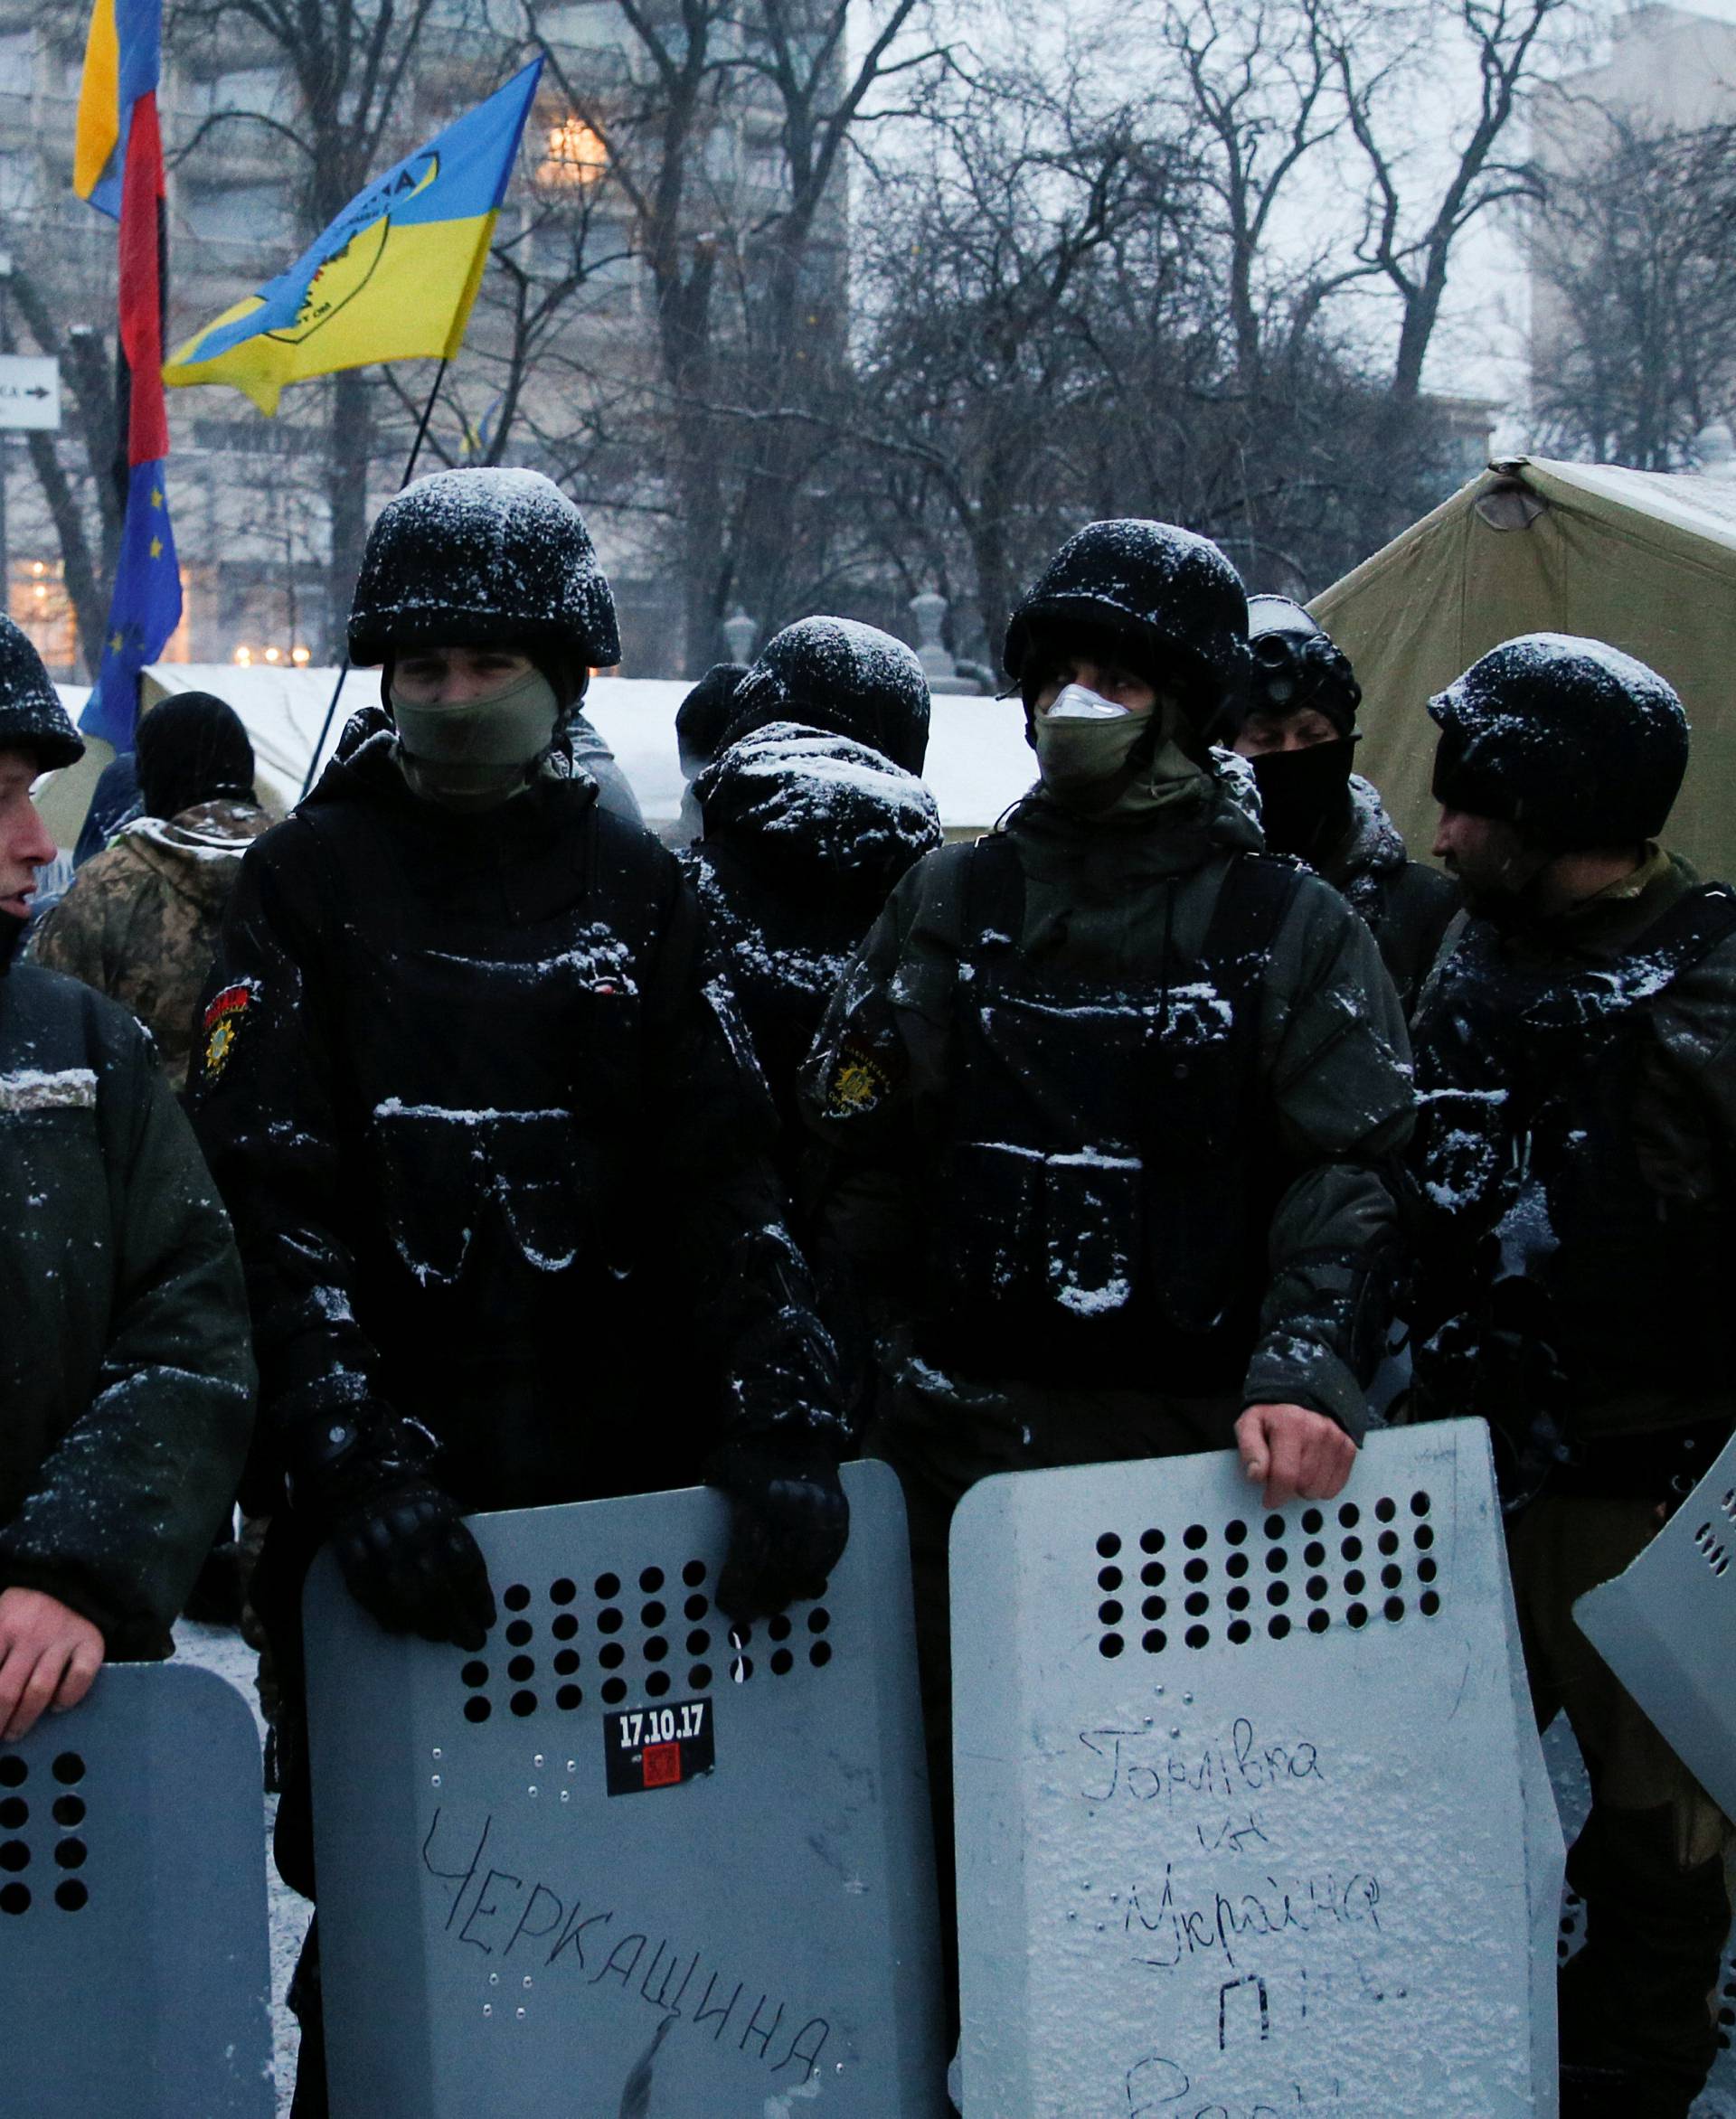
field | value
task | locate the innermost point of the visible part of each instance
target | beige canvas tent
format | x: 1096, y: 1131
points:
x: 1644, y: 559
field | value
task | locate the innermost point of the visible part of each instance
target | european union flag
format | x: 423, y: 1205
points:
x: 144, y: 611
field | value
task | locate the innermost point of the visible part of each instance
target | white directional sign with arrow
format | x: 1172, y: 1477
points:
x: 30, y: 392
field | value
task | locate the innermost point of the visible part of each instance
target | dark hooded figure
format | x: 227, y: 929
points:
x: 702, y: 722
x: 1576, y: 1159
x: 483, y: 1135
x: 811, y: 810
x: 1301, y: 739
x: 139, y: 920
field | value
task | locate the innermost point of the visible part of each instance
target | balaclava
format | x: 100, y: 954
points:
x: 1305, y: 803
x: 478, y: 753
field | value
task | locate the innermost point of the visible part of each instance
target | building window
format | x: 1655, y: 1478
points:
x: 572, y: 154
x: 41, y: 610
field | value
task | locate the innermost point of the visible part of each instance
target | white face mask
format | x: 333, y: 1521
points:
x: 1078, y: 703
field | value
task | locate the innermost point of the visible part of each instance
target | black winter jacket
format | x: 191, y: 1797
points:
x: 805, y: 834
x: 126, y: 1379
x: 488, y: 1151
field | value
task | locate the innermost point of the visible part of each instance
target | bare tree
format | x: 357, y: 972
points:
x: 1394, y: 62
x: 1634, y: 328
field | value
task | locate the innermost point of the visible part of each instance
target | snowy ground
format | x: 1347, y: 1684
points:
x: 215, y: 1648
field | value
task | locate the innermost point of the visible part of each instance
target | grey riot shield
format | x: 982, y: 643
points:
x: 1667, y: 1628
x: 610, y: 1866
x: 133, y: 1962
x: 1253, y: 1816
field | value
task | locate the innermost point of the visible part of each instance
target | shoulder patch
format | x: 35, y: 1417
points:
x: 858, y: 1081
x: 223, y: 1020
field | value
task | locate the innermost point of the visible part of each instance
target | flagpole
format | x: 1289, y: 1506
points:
x: 344, y: 668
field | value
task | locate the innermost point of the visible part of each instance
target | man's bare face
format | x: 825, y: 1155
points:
x: 25, y: 842
x: 1486, y: 854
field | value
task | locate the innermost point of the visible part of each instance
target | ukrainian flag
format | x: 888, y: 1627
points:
x: 392, y: 279
x: 122, y: 59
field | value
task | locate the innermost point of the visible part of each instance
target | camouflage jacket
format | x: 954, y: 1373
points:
x: 140, y: 920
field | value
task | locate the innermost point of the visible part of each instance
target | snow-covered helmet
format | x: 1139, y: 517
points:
x: 1167, y: 598
x: 838, y: 675
x: 32, y: 716
x: 1297, y: 665
x: 477, y: 558
x: 1574, y: 743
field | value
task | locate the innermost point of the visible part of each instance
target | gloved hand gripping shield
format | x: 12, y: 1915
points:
x: 611, y: 1857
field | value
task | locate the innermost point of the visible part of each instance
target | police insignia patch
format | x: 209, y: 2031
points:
x: 859, y: 1080
x: 222, y: 1024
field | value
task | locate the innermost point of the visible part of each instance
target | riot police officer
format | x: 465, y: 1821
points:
x: 1301, y: 739
x: 1575, y: 1055
x: 481, y: 1132
x: 1112, y: 1092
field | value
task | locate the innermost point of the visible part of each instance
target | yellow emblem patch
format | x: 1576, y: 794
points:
x: 222, y: 1024
x: 858, y: 1083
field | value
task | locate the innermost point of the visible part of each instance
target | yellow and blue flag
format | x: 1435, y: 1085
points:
x: 392, y: 279
x: 122, y: 62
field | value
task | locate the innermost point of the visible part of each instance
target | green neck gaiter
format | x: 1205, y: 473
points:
x: 1114, y: 763
x: 475, y: 753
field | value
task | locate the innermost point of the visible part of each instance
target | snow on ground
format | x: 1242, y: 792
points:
x: 222, y: 1650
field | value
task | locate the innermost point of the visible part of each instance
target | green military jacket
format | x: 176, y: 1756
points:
x: 125, y: 1374
x: 1333, y: 1058
x: 140, y: 920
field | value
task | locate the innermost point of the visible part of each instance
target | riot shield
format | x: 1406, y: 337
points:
x: 1666, y: 1627
x: 1252, y: 1817
x: 613, y: 1865
x: 134, y: 1973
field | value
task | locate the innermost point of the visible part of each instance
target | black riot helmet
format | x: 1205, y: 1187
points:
x: 1297, y: 665
x: 1572, y: 742
x: 483, y: 559
x: 1166, y: 600
x: 32, y: 716
x: 839, y: 674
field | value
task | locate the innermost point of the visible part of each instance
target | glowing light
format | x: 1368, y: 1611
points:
x: 243, y: 656
x: 576, y: 154
x: 273, y: 655
x: 38, y: 567
x: 300, y: 656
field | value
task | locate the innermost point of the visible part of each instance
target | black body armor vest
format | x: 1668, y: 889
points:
x: 1109, y: 1162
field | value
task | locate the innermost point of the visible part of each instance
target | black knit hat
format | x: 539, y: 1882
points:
x: 704, y: 717
x: 482, y: 559
x: 838, y: 675
x: 1572, y: 742
x: 192, y: 748
x: 32, y: 716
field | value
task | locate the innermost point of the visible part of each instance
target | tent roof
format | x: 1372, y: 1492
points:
x: 1645, y: 561
x: 978, y: 761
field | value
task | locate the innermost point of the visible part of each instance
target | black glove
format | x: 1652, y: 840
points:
x: 407, y: 1557
x: 790, y: 1523
x: 410, y: 1560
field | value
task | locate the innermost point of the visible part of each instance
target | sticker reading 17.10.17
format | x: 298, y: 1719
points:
x: 657, y: 1746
